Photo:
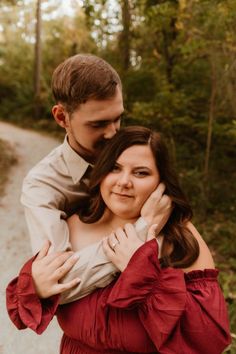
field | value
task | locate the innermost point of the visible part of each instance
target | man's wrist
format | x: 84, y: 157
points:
x: 141, y: 226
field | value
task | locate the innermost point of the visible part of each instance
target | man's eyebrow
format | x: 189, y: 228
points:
x: 102, y: 121
x: 98, y: 121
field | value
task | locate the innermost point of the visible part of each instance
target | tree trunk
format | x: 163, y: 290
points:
x: 125, y: 35
x: 210, y: 126
x: 37, y: 62
x: 169, y: 38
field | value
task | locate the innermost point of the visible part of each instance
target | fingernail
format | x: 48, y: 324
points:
x: 75, y: 256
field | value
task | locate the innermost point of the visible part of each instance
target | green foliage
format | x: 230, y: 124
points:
x: 179, y: 52
x: 219, y: 232
x: 134, y: 84
x: 17, y: 58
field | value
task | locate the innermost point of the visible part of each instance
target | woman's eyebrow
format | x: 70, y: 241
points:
x: 136, y: 167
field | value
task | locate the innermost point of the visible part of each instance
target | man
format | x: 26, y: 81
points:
x: 89, y: 106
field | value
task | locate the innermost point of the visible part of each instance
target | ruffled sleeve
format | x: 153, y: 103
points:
x: 178, y: 310
x: 25, y: 308
x: 205, y: 324
x: 159, y: 295
x: 143, y: 277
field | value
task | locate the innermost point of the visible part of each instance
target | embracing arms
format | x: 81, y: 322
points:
x: 176, y: 310
x: 92, y: 266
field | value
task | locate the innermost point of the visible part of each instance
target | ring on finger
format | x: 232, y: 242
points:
x: 114, y: 244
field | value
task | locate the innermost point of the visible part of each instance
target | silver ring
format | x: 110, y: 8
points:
x: 114, y: 245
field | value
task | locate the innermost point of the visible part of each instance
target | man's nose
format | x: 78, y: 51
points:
x: 111, y: 130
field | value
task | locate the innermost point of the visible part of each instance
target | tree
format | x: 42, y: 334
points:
x: 62, y: 36
x: 124, y: 37
x: 37, y: 62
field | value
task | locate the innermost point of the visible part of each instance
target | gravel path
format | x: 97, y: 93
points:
x: 29, y: 147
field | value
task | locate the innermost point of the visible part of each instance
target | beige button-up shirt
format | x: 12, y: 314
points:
x: 52, y: 191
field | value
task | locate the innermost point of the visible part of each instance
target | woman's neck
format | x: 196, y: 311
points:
x: 113, y: 221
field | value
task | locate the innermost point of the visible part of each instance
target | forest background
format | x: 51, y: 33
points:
x: 177, y: 61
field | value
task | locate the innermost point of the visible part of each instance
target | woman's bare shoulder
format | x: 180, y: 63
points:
x: 74, y: 223
x: 79, y: 232
x: 205, y: 259
x: 82, y: 234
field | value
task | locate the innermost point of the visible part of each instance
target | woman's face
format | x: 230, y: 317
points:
x: 133, y: 178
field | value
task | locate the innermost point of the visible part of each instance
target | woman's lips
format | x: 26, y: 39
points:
x: 123, y: 195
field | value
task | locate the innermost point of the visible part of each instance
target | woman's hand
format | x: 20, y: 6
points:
x: 120, y: 245
x: 157, y: 208
x: 48, y: 269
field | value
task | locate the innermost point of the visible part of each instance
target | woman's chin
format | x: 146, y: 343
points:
x: 126, y: 215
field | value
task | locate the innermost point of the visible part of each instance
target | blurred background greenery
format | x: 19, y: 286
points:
x: 177, y: 61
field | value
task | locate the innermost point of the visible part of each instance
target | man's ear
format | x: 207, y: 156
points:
x: 60, y: 115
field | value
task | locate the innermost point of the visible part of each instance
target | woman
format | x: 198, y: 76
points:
x: 173, y: 305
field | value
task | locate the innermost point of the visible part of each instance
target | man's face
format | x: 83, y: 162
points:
x: 93, y: 123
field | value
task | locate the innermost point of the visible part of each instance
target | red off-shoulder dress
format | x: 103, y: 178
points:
x: 146, y: 310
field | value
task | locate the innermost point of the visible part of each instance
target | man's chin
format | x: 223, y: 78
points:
x: 92, y: 155
x: 100, y: 146
x: 95, y: 154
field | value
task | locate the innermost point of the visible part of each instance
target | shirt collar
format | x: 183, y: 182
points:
x: 75, y: 163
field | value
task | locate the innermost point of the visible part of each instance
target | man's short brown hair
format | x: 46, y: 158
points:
x: 83, y: 77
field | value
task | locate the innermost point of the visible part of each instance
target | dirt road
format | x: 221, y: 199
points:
x: 29, y: 147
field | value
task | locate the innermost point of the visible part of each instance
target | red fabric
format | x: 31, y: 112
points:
x: 24, y: 306
x: 147, y: 310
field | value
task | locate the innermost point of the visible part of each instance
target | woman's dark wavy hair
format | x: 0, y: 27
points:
x: 180, y: 248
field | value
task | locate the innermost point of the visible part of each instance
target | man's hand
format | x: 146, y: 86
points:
x: 157, y: 208
x: 120, y: 245
x: 48, y: 269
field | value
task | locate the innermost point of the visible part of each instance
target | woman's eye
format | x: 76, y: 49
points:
x: 115, y: 169
x: 141, y: 173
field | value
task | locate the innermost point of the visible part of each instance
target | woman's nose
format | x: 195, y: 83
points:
x: 124, y: 180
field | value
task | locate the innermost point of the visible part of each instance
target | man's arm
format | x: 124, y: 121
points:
x: 42, y: 203
x: 44, y: 215
x: 46, y: 222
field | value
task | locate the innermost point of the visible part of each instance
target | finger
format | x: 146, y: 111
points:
x: 130, y: 231
x: 166, y: 201
x: 60, y: 288
x: 49, y: 258
x: 120, y: 234
x: 66, y: 267
x: 44, y: 250
x: 112, y: 240
x: 159, y: 191
x: 109, y: 252
x: 58, y: 261
x: 151, y: 232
